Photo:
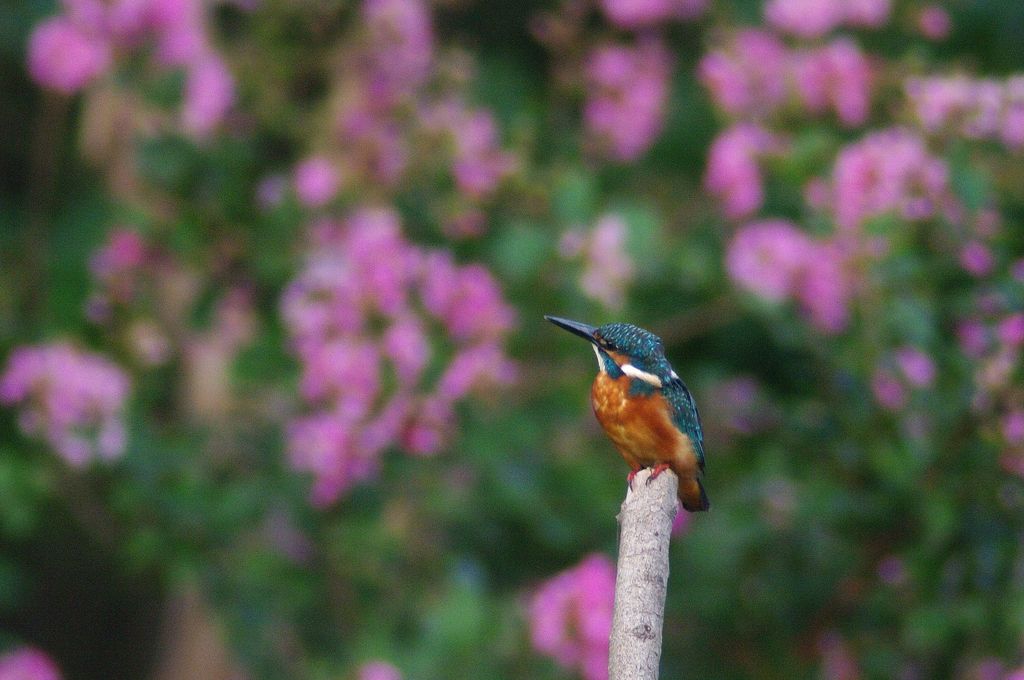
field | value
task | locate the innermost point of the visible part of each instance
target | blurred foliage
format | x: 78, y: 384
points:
x: 896, y: 532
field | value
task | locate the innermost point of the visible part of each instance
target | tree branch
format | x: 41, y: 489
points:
x: 641, y: 581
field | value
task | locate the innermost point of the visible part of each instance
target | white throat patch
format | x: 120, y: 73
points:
x: 634, y: 372
x: 600, y: 362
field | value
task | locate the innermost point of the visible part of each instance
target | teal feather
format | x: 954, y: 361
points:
x: 647, y: 353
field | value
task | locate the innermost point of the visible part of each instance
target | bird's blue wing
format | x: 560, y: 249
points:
x: 685, y: 415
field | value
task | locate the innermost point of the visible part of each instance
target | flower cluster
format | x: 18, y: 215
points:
x: 124, y: 270
x: 634, y: 14
x: 27, y: 663
x: 627, y: 89
x: 608, y: 269
x: 908, y: 368
x: 360, y: 316
x: 72, y: 399
x: 992, y: 337
x: 378, y: 670
x: 733, y: 174
x: 933, y: 22
x: 385, y: 110
x: 815, y: 18
x: 753, y: 77
x: 70, y: 51
x: 571, y: 616
x: 746, y: 76
x: 116, y: 267
x: 973, y: 108
x: 400, y: 40
x: 478, y: 162
x: 755, y: 74
x: 777, y: 261
x: 888, y: 172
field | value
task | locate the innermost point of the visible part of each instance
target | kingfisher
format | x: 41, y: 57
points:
x: 644, y: 407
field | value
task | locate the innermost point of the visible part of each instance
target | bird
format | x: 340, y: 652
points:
x: 644, y: 407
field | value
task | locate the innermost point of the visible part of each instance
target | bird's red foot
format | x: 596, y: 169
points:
x: 657, y: 470
x: 630, y: 476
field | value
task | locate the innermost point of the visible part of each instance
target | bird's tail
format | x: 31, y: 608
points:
x: 692, y: 495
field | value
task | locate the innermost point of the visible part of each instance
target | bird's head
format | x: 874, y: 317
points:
x: 623, y: 348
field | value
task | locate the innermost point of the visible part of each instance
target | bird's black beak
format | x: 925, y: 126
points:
x: 581, y: 329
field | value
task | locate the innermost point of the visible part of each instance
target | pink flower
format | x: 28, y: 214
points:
x: 476, y: 365
x: 747, y: 76
x: 631, y: 14
x: 776, y: 261
x: 323, y: 445
x: 359, y: 317
x: 977, y: 109
x: 804, y: 18
x: 479, y: 163
x: 866, y: 13
x: 316, y: 181
x: 977, y: 259
x: 889, y: 171
x: 401, y: 41
x: 937, y: 101
x: 836, y: 76
x: 768, y: 258
x: 73, y: 400
x: 627, y: 92
x: 179, y: 27
x: 28, y: 663
x: 379, y: 670
x: 1013, y: 427
x: 345, y: 372
x: 571, y: 616
x: 373, y: 140
x: 88, y: 15
x: 825, y: 289
x: 934, y: 22
x: 1011, y: 131
x: 1011, y: 330
x: 815, y: 18
x: 889, y: 392
x: 608, y: 266
x: 209, y: 93
x: 428, y: 427
x: 466, y: 300
x: 122, y: 255
x: 972, y: 337
x: 733, y: 174
x: 407, y: 346
x: 128, y: 20
x: 916, y: 366
x: 63, y: 57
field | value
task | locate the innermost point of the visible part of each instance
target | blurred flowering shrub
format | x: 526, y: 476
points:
x: 366, y: 297
x: 73, y: 400
x: 27, y: 663
x: 571, y: 616
x: 271, y: 282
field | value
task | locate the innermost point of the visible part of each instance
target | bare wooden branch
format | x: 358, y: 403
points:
x: 645, y: 527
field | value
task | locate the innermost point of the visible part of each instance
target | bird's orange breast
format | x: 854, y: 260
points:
x: 638, y: 425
